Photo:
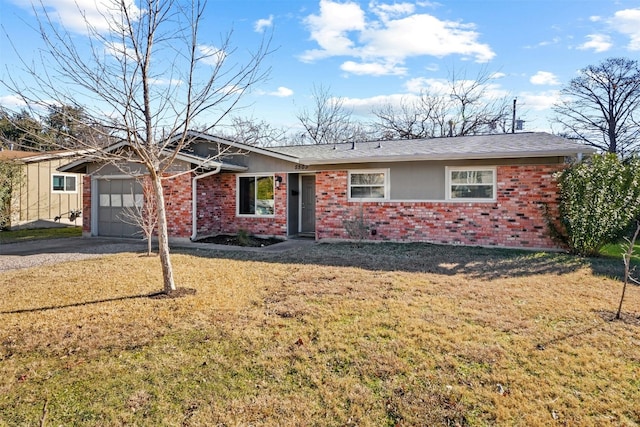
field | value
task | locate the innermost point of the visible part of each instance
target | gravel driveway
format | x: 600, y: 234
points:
x: 42, y: 252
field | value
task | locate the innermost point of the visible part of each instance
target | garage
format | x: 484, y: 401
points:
x: 116, y: 198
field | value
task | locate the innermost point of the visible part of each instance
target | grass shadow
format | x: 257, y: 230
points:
x: 473, y: 262
x: 155, y: 295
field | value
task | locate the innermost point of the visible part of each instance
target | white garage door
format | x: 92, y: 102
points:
x: 116, y: 196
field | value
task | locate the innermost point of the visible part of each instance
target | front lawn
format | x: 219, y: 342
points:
x: 332, y: 336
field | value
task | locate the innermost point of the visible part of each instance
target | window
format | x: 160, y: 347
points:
x: 368, y: 185
x: 255, y: 195
x: 63, y: 183
x: 471, y: 183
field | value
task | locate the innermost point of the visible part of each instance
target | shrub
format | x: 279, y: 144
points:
x: 243, y: 237
x: 599, y: 198
x: 11, y: 177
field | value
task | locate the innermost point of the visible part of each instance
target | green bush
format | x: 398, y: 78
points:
x: 598, y: 200
x: 10, y: 180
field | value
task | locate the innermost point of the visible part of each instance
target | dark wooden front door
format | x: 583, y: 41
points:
x: 308, y: 200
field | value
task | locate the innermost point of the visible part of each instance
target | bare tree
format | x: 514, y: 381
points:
x: 466, y: 107
x: 628, y: 247
x: 142, y: 212
x: 254, y: 132
x: 150, y: 79
x: 422, y: 118
x: 601, y: 107
x: 474, y: 110
x: 329, y: 122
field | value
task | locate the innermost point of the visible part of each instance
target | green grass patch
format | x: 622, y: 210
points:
x: 15, y: 236
x: 615, y: 251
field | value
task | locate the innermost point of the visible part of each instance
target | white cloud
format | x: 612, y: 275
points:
x: 211, y: 55
x: 119, y: 50
x: 627, y: 22
x: 364, y: 106
x: 597, y: 42
x: 330, y: 28
x: 392, y: 35
x: 372, y: 68
x: 422, y: 34
x: 544, y: 78
x: 543, y: 43
x: 388, y: 11
x: 76, y: 14
x: 261, y: 24
x: 538, y: 101
x: 166, y: 82
x: 442, y: 87
x: 595, y: 18
x: 12, y: 101
x: 281, y: 92
x: 497, y: 75
x: 423, y: 84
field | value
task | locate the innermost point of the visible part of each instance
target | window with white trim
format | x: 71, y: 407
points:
x: 475, y: 184
x: 369, y: 185
x: 255, y: 195
x: 63, y: 183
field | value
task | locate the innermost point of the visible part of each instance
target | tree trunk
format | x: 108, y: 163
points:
x: 627, y: 267
x: 163, y: 237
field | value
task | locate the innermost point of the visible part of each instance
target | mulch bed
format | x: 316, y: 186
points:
x: 252, y: 241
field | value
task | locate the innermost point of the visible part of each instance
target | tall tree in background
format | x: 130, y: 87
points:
x: 254, y: 132
x: 66, y: 124
x: 149, y: 78
x: 462, y: 107
x: 425, y: 117
x: 601, y: 106
x: 329, y: 122
x: 21, y: 130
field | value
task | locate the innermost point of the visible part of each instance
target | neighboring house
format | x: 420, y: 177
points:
x: 472, y: 190
x: 44, y: 193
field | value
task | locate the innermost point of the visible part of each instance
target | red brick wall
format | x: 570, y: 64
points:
x: 515, y: 219
x: 177, y: 200
x: 217, y: 209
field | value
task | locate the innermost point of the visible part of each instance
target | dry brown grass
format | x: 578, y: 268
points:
x: 379, y: 335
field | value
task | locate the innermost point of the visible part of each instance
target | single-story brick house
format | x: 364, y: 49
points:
x: 472, y: 190
x: 43, y: 193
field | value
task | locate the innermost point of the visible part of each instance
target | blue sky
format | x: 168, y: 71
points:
x: 368, y: 52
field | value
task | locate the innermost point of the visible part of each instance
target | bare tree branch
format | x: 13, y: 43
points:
x: 146, y: 79
x: 465, y: 109
x: 601, y: 107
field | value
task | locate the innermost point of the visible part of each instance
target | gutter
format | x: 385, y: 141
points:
x: 194, y: 200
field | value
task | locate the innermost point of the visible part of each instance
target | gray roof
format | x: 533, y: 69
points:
x: 516, y: 145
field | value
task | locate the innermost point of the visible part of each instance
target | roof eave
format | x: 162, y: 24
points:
x: 241, y: 146
x: 461, y: 156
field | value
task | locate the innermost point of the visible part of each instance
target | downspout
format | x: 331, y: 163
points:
x: 194, y: 200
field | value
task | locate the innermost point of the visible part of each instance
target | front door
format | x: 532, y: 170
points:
x: 308, y: 204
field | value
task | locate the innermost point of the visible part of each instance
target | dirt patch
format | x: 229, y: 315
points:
x: 250, y: 241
